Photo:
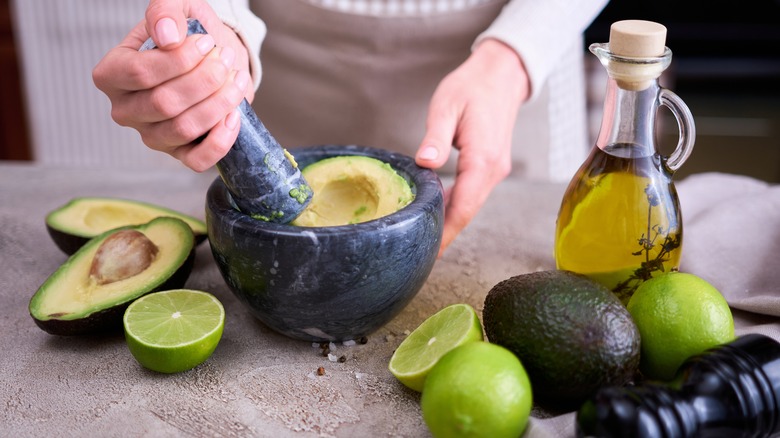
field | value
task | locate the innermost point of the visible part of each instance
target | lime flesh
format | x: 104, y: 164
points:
x: 450, y: 327
x: 173, y: 331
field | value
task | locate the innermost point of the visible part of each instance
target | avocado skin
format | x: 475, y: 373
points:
x: 108, y: 321
x: 66, y: 242
x: 572, y: 334
x: 70, y: 243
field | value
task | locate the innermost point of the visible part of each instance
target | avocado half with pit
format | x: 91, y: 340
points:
x: 82, y: 218
x: 90, y: 291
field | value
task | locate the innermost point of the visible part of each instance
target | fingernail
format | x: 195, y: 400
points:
x: 205, y: 44
x: 429, y: 153
x: 232, y: 119
x: 227, y: 55
x: 167, y: 33
x: 242, y: 79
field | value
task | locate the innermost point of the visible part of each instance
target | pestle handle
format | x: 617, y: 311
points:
x: 261, y: 176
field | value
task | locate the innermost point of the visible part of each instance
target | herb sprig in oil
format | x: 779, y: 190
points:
x: 656, y: 235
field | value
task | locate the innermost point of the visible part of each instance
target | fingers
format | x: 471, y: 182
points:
x: 198, y: 119
x: 474, y: 110
x: 441, y: 126
x: 124, y: 69
x: 174, y: 96
x: 182, y: 97
x: 167, y: 22
x: 203, y: 155
x: 476, y: 179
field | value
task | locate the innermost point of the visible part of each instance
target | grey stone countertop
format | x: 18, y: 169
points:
x: 261, y: 384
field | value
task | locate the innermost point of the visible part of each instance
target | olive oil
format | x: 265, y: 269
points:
x: 619, y: 221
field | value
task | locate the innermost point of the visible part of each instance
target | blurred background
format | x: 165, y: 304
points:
x: 725, y: 66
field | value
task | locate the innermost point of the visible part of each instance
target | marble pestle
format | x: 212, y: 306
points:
x: 261, y: 176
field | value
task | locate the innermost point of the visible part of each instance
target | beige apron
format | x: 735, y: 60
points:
x: 336, y: 78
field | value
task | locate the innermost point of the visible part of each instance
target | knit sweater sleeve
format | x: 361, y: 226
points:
x: 541, y: 31
x: 249, y: 28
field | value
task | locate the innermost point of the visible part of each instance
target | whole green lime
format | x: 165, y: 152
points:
x: 478, y: 389
x: 678, y: 315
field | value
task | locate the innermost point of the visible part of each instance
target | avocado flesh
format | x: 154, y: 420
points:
x: 74, y: 223
x: 71, y: 301
x: 352, y: 189
x: 572, y: 334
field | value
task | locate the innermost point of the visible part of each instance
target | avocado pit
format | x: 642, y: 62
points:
x: 122, y: 255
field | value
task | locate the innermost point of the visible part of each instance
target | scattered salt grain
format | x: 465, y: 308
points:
x: 333, y: 357
x: 348, y: 343
x: 407, y: 332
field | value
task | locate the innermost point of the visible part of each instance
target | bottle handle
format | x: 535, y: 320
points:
x: 685, y: 125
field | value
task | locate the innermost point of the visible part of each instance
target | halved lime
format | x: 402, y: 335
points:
x: 452, y: 326
x: 175, y: 330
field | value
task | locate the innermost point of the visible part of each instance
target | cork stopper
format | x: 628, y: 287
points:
x: 635, y: 55
x: 637, y: 38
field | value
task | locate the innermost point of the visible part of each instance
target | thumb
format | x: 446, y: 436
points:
x: 166, y: 22
x: 437, y: 144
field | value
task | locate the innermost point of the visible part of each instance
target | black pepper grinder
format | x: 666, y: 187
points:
x: 732, y: 390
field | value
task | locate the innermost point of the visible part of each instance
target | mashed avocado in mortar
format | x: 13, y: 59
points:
x: 352, y: 189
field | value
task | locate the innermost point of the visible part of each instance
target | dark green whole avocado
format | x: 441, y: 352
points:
x: 89, y: 293
x: 74, y: 223
x: 572, y: 334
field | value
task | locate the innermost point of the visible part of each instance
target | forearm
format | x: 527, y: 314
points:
x: 541, y: 31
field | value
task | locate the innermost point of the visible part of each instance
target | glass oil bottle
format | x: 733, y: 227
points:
x: 620, y: 222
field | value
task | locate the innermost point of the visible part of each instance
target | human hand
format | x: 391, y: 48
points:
x: 186, y: 88
x: 474, y: 109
